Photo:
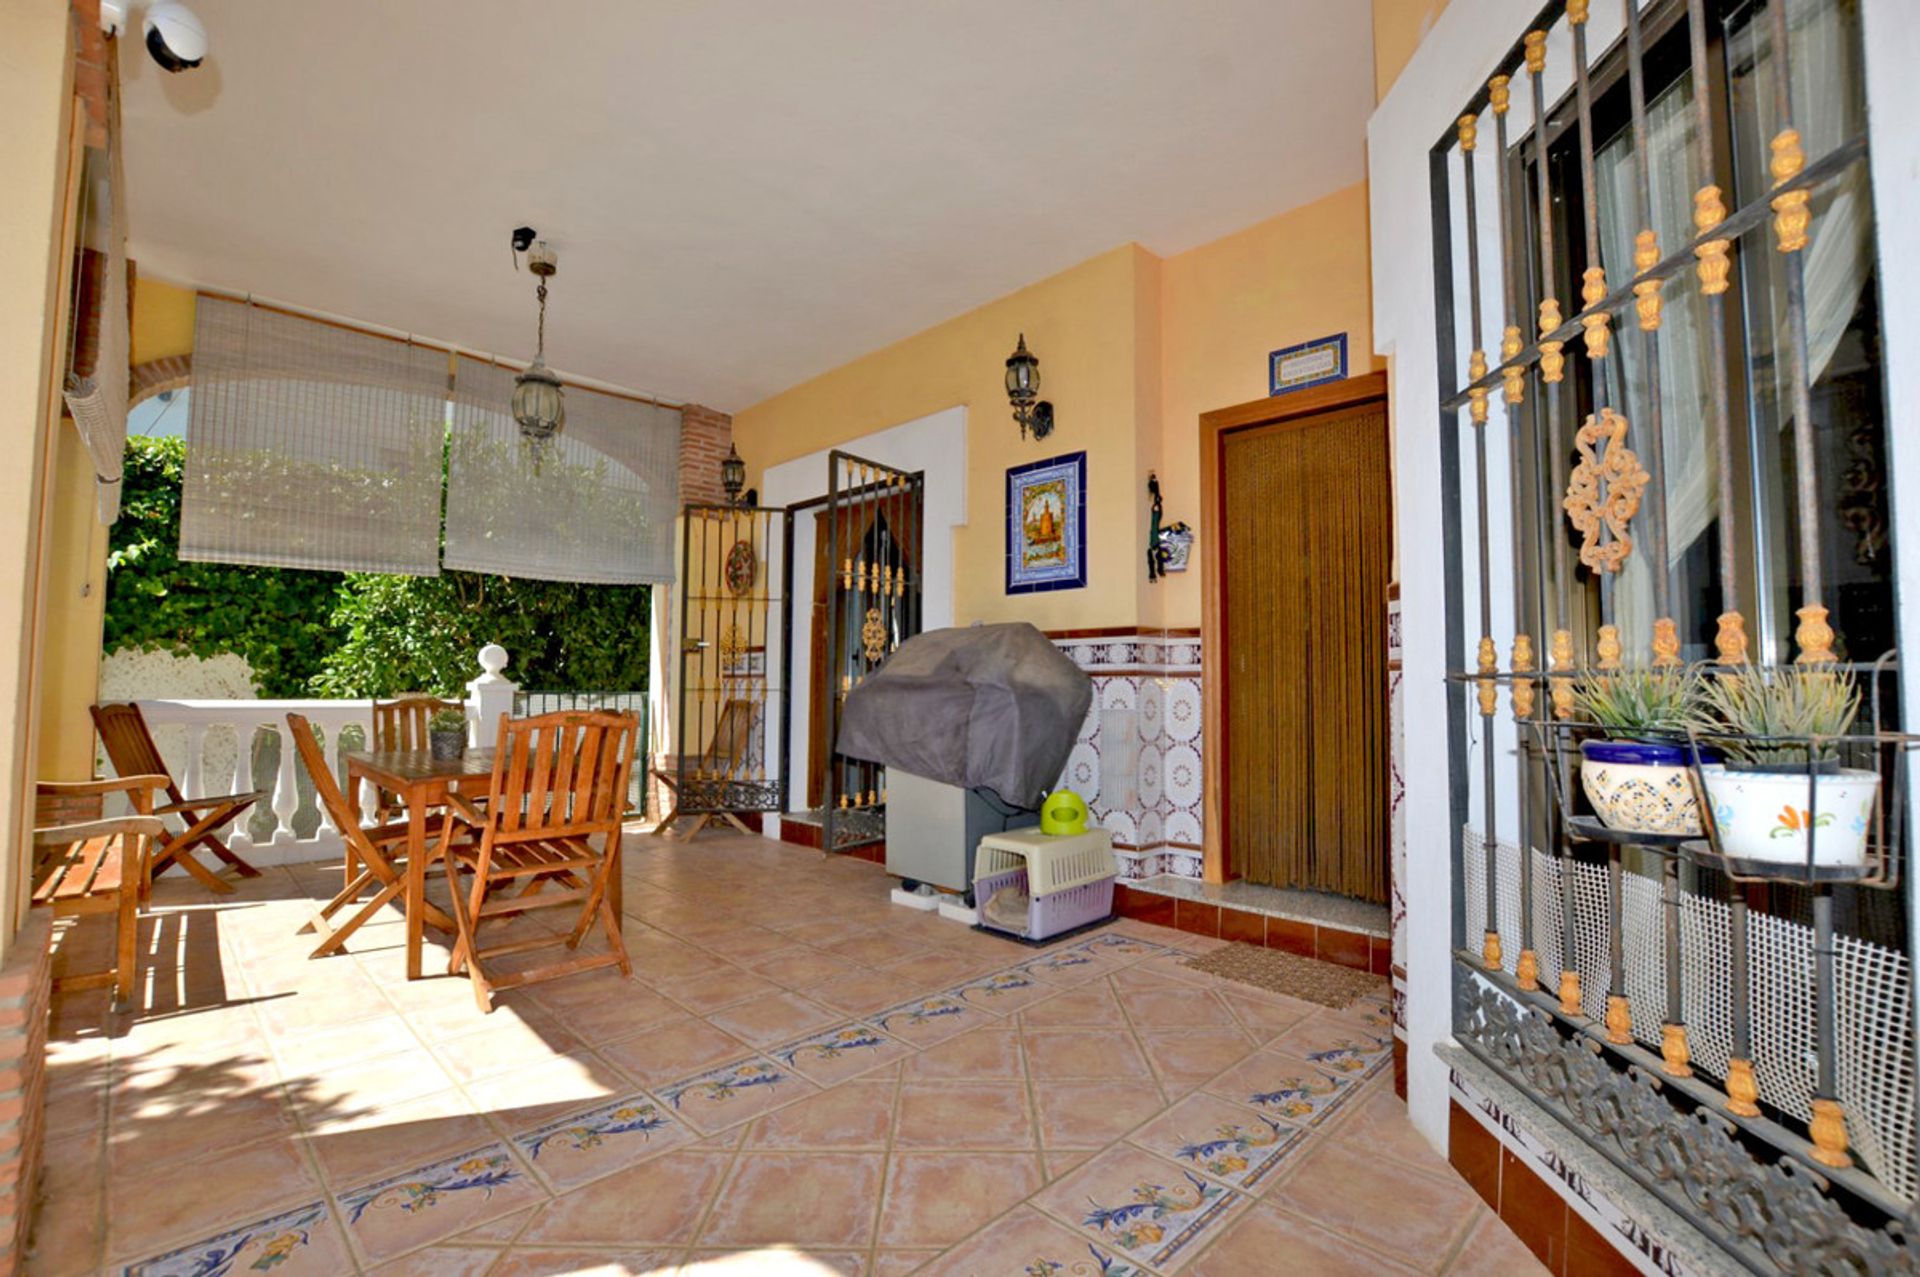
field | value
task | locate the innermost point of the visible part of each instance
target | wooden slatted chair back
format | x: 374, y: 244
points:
x: 326, y: 787
x: 402, y: 723
x: 129, y: 745
x: 561, y: 775
x: 732, y: 742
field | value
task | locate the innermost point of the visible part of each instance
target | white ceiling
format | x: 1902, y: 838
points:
x: 744, y: 193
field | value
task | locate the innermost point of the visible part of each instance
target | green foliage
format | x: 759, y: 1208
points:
x: 1790, y: 707
x: 276, y: 618
x: 447, y: 720
x: 1656, y: 702
x: 358, y: 634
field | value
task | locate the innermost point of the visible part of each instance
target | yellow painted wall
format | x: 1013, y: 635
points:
x: 35, y: 129
x: 1225, y: 306
x: 1085, y: 326
x: 1398, y: 27
x: 75, y: 607
x: 1132, y: 350
x: 162, y: 320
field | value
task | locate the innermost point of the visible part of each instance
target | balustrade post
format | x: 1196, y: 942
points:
x: 489, y: 697
x: 286, y: 787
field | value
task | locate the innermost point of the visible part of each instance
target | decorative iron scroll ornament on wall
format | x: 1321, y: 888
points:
x: 1775, y: 1217
x: 1603, y: 493
x: 873, y: 636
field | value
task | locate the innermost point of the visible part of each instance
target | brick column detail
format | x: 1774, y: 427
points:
x: 26, y: 984
x: 705, y: 437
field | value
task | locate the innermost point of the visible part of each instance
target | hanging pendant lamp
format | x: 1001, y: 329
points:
x: 539, y: 404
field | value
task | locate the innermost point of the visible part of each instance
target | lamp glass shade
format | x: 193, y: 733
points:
x: 539, y: 405
x: 733, y: 474
x: 1023, y: 373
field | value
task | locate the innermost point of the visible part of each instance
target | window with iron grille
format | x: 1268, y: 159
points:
x: 1663, y: 440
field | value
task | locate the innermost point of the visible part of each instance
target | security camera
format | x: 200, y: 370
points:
x: 173, y: 32
x: 175, y: 37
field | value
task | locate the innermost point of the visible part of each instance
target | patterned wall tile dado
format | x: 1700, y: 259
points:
x: 1153, y: 778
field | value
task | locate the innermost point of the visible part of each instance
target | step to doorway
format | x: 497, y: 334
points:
x: 808, y: 829
x: 1352, y: 933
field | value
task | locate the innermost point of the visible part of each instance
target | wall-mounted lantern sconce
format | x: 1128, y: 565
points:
x: 733, y: 475
x: 1034, y: 414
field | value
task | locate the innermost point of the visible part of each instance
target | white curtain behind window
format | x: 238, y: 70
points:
x: 311, y: 445
x: 597, y: 503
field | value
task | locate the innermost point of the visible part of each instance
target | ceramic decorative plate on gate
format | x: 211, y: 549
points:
x: 743, y: 567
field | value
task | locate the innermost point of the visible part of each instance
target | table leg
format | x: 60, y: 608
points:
x: 416, y: 878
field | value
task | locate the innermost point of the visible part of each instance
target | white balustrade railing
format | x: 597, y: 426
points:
x: 213, y: 747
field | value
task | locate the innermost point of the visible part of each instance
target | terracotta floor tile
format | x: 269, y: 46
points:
x: 1176, y: 1009
x: 674, y: 1051
x: 427, y: 1204
x: 630, y: 1010
x: 1286, y: 1087
x: 985, y: 1054
x: 538, y: 1262
x: 304, y: 1241
x: 799, y: 1199
x: 1492, y: 1250
x: 537, y: 1093
x: 747, y: 944
x: 855, y: 1116
x: 1266, y: 1017
x: 713, y: 989
x: 923, y: 1022
x: 1184, y: 1058
x: 803, y: 968
x: 841, y: 1053
x: 1024, y: 1242
x: 863, y: 992
x: 774, y: 1017
x: 935, y: 1199
x: 773, y: 1261
x: 580, y: 1147
x: 1091, y: 1005
x: 940, y: 969
x: 141, y: 1145
x: 1063, y: 1054
x: 1338, y: 1044
x: 441, y: 1261
x: 964, y: 1115
x: 1060, y: 1161
x: 1344, y: 1189
x: 1071, y: 967
x: 1238, y: 1146
x: 316, y: 1052
x: 1090, y: 1114
x: 1379, y: 1123
x: 656, y: 1203
x: 1005, y: 992
x: 737, y: 1093
x: 368, y: 1146
x: 1268, y: 1240
x: 1103, y: 1199
x: 491, y: 1049
x: 898, y: 1263
x: 144, y: 1214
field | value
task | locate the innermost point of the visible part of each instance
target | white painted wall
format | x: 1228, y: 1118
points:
x: 935, y: 444
x: 1451, y: 64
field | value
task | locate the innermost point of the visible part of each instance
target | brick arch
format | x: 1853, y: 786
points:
x: 175, y: 372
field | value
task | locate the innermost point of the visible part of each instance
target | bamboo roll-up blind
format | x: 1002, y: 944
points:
x: 1308, y: 535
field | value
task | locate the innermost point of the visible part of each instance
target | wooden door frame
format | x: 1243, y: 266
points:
x: 1296, y: 408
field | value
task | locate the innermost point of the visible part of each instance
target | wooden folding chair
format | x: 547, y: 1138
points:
x: 402, y: 724
x: 559, y: 784
x: 97, y: 866
x: 732, y: 740
x: 130, y: 747
x: 370, y: 851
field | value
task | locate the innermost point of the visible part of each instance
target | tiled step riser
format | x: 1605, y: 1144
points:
x: 1362, y: 952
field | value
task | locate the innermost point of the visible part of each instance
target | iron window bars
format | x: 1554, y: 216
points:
x: 1779, y: 1183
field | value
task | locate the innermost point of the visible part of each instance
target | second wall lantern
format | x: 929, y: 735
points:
x: 1034, y: 414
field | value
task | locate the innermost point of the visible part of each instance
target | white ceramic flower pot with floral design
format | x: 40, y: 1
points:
x: 1639, y: 788
x: 1768, y: 816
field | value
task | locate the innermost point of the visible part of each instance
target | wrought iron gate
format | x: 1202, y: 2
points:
x: 873, y: 525
x: 728, y: 602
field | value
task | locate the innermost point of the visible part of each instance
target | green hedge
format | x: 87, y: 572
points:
x: 354, y: 634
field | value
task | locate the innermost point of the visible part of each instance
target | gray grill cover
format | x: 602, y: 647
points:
x: 990, y: 706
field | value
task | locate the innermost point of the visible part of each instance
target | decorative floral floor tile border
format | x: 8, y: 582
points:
x: 301, y: 1240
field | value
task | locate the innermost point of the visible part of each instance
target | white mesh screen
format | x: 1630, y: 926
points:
x: 597, y: 503
x: 1874, y: 996
x: 311, y: 445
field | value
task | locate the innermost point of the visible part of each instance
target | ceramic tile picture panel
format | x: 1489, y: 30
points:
x: 1047, y: 525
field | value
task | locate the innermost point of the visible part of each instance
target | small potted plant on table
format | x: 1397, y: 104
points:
x: 1783, y: 786
x: 1636, y: 775
x: 447, y: 733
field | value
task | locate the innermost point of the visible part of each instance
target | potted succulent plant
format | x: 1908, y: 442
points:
x: 1783, y: 785
x: 447, y: 733
x: 1636, y: 776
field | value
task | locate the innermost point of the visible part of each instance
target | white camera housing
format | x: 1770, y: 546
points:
x: 174, y: 35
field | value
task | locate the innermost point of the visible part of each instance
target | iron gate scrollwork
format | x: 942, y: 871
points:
x: 874, y: 522
x: 729, y: 603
